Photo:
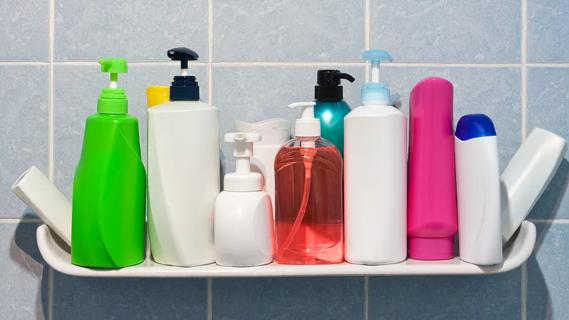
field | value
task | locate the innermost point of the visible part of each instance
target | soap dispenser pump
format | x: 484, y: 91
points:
x: 375, y: 175
x: 308, y: 187
x: 109, y: 188
x: 183, y: 171
x: 330, y: 106
x: 243, y: 211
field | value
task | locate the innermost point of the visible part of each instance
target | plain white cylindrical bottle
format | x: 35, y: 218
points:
x: 243, y: 211
x: 478, y: 190
x: 183, y: 173
x: 274, y: 133
x: 375, y: 175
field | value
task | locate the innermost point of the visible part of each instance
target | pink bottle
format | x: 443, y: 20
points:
x: 432, y: 212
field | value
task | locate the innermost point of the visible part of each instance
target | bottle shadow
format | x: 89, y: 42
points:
x: 25, y: 253
x: 539, y: 300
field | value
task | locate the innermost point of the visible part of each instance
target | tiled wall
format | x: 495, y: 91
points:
x: 507, y: 58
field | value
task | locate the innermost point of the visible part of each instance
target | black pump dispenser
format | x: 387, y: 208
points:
x: 329, y: 88
x: 184, y: 87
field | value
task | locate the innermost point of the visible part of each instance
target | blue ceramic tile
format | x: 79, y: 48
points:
x: 288, y: 298
x: 143, y: 29
x: 24, y: 30
x: 548, y: 31
x: 287, y: 30
x: 262, y: 92
x: 548, y: 275
x: 23, y: 289
x: 547, y: 109
x: 117, y: 298
x: 473, y: 93
x: 446, y: 297
x: 485, y: 31
x: 76, y: 91
x: 23, y: 128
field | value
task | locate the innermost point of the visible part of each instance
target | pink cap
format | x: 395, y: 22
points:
x: 431, y: 248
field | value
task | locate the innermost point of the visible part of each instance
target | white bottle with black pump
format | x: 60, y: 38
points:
x: 183, y: 172
x: 243, y: 211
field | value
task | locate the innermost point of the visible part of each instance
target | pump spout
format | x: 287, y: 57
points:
x: 243, y: 179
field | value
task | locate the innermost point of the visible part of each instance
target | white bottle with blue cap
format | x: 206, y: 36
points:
x: 478, y: 190
x: 375, y: 174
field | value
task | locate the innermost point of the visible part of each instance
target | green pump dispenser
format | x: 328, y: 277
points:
x: 109, y: 189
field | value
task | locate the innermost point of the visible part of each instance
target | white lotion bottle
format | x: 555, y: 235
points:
x: 478, y: 190
x: 527, y: 175
x: 183, y: 172
x: 375, y: 175
x: 243, y: 212
x: 274, y: 133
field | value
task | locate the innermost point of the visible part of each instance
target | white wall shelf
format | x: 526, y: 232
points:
x: 518, y: 250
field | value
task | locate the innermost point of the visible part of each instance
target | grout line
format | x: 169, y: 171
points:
x: 24, y: 63
x: 366, y: 297
x: 524, y: 291
x: 303, y: 63
x: 524, y: 69
x: 51, y: 83
x: 210, y: 52
x: 367, y: 25
x: 209, y: 299
x: 19, y: 220
x: 550, y: 221
x: 50, y: 293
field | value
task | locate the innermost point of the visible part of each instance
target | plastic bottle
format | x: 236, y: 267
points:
x: 375, y: 174
x: 432, y: 213
x: 243, y: 211
x: 308, y: 185
x: 527, y: 175
x: 274, y: 133
x: 330, y: 106
x: 37, y: 192
x: 478, y: 190
x: 109, y: 190
x: 183, y: 172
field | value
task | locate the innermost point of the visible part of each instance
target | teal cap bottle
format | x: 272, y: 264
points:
x: 330, y: 106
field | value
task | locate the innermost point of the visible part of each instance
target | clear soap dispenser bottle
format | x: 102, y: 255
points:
x: 308, y: 186
x: 243, y: 211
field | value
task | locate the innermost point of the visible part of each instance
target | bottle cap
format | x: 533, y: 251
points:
x: 307, y: 125
x: 156, y: 95
x: 473, y: 126
x: 242, y: 179
x: 328, y: 86
x: 184, y: 87
x: 374, y: 91
x: 113, y: 100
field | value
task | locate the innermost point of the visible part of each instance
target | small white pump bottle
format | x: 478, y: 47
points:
x: 375, y: 174
x: 478, y: 190
x: 274, y: 133
x: 243, y: 213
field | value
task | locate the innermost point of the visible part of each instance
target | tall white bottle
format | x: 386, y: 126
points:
x: 478, y: 190
x: 183, y: 172
x: 243, y: 213
x: 274, y: 133
x: 375, y: 174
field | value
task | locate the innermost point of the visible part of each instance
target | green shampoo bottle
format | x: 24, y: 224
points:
x: 109, y: 189
x: 330, y: 106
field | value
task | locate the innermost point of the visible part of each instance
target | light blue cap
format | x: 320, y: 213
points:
x: 376, y: 92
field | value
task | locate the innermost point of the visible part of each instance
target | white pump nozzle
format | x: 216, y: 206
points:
x: 307, y: 125
x: 243, y: 179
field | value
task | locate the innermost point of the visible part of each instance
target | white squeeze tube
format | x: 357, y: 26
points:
x: 527, y: 175
x: 40, y: 194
